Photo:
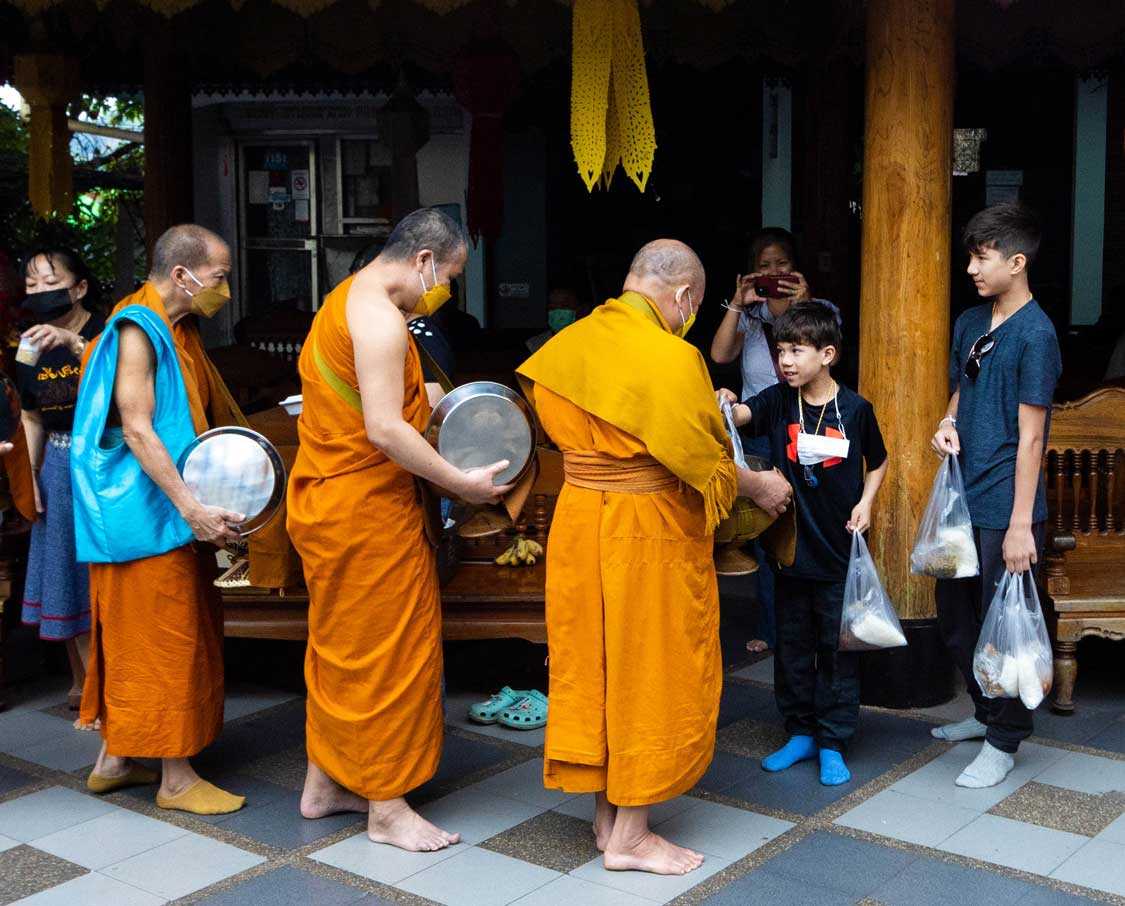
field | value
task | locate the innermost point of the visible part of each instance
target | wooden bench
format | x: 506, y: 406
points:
x: 1085, y: 563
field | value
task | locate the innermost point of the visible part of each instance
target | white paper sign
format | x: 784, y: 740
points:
x: 300, y: 209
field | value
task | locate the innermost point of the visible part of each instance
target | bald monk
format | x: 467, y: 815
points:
x: 632, y: 596
x: 374, y: 662
x: 156, y: 653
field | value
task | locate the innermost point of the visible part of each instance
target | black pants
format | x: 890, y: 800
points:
x: 961, y: 607
x: 817, y: 687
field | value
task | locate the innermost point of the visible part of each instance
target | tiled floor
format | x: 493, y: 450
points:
x: 901, y: 834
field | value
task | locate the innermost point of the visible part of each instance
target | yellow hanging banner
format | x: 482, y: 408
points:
x: 610, y: 111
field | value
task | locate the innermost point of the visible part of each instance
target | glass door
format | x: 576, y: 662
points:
x: 278, y: 226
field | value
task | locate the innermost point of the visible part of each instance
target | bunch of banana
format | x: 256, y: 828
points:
x: 522, y: 552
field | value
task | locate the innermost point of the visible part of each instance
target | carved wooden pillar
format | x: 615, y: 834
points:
x: 904, y: 295
x: 48, y: 82
x: 168, y: 150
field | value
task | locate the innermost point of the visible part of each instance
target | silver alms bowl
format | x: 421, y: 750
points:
x: 480, y: 423
x: 236, y: 469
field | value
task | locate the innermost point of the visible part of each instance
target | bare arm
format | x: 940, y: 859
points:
x: 379, y: 337
x: 135, y: 397
x: 861, y: 513
x: 1019, y: 543
x: 727, y: 345
x: 36, y: 439
x: 946, y: 440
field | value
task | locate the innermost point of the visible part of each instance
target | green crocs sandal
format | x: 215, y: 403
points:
x: 528, y: 714
x: 489, y: 712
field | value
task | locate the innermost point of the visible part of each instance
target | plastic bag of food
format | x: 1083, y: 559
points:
x: 868, y: 620
x: 1013, y: 655
x: 944, y: 547
x: 736, y: 440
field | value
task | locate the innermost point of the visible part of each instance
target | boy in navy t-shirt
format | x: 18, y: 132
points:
x: 1003, y: 368
x: 822, y: 436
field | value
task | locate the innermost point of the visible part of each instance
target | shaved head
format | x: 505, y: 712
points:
x: 185, y: 245
x: 668, y: 261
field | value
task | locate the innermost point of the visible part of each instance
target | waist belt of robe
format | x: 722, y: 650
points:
x: 598, y: 472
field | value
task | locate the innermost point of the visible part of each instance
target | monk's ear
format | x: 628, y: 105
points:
x: 423, y: 258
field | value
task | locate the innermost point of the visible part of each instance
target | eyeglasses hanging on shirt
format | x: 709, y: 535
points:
x: 981, y: 347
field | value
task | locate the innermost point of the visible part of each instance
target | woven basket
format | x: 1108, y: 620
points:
x: 745, y: 523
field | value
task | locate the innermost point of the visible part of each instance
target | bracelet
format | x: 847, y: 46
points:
x: 950, y: 419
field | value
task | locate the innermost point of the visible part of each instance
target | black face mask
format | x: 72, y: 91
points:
x: 46, y: 306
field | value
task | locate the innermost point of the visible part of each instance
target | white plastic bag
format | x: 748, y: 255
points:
x: 736, y: 441
x: 1013, y: 655
x: 944, y: 547
x: 868, y: 620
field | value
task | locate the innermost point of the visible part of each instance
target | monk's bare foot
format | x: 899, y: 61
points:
x: 111, y: 766
x: 87, y: 728
x: 652, y: 853
x: 757, y: 646
x: 322, y: 797
x: 397, y: 824
x: 605, y: 813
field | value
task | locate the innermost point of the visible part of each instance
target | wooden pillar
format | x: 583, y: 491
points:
x: 904, y: 292
x: 168, y: 197
x: 48, y: 82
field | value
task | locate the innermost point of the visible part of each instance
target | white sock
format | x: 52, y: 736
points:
x: 969, y: 728
x: 989, y: 768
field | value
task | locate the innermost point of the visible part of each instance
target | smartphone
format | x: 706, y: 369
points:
x: 769, y: 285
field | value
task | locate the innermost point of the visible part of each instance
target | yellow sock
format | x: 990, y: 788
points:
x: 138, y: 775
x: 202, y: 798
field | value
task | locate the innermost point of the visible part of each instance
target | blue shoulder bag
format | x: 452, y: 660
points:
x: 120, y: 514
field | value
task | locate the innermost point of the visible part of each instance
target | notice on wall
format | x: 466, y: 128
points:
x: 279, y: 195
x: 258, y: 186
x: 301, y: 210
x: 299, y: 180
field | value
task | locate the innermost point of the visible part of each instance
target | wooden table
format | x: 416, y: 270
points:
x: 480, y: 601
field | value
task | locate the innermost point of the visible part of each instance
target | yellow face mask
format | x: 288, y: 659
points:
x: 208, y: 301
x: 434, y: 297
x: 685, y: 323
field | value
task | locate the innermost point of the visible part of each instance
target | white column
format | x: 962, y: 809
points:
x: 777, y: 153
x: 1088, y: 235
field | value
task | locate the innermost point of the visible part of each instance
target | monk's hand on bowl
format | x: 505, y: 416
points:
x: 214, y: 524
x: 479, y: 484
x: 6, y: 447
x: 769, y: 490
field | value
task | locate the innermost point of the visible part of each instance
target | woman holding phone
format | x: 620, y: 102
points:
x: 760, y: 298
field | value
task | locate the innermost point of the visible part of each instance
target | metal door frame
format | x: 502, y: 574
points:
x: 247, y: 243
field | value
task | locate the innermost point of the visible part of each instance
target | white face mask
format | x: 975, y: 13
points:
x: 813, y: 448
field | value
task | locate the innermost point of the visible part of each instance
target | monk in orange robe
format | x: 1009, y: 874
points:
x: 374, y: 662
x: 632, y: 596
x: 155, y: 678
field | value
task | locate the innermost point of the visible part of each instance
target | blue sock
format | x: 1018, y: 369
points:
x: 833, y: 771
x: 799, y: 748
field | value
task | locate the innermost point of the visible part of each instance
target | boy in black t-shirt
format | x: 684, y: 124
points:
x: 822, y: 434
x: 1003, y: 368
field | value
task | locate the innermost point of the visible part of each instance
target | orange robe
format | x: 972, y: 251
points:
x: 374, y: 661
x: 633, y: 626
x: 155, y: 676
